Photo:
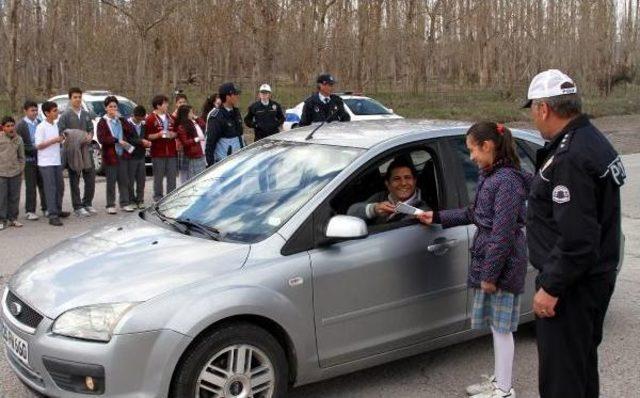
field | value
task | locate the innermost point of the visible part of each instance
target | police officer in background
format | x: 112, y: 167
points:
x: 264, y: 116
x: 224, y: 126
x: 573, y: 233
x: 323, y: 105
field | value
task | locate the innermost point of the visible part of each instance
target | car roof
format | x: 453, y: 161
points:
x: 366, y: 134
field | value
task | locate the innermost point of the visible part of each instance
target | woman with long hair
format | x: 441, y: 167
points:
x: 191, y: 137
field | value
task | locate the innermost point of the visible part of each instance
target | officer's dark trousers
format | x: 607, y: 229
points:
x: 568, y: 343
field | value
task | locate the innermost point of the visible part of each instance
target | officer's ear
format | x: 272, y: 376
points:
x: 544, y: 110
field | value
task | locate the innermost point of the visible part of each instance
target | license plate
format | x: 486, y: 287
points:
x: 15, y: 344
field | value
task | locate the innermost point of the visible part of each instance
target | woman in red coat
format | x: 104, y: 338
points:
x: 191, y: 137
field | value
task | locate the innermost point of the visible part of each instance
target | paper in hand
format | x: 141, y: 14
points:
x: 128, y: 147
x: 406, y: 209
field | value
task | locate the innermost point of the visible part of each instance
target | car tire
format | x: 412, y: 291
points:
x: 96, y: 153
x: 294, y: 126
x: 217, y: 364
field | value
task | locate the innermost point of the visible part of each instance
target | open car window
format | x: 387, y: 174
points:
x: 470, y: 169
x: 371, y: 181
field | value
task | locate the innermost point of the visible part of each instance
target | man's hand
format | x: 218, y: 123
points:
x: 123, y: 143
x: 146, y: 143
x: 88, y: 138
x: 384, y: 208
x: 426, y: 217
x: 544, y: 304
x: 488, y: 287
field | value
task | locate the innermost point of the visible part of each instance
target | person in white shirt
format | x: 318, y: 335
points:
x: 48, y: 140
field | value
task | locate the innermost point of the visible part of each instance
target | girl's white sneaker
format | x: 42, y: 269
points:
x: 496, y: 393
x: 485, y: 386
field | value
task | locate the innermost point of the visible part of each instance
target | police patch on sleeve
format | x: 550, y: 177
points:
x: 561, y: 194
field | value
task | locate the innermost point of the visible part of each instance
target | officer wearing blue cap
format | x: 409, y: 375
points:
x: 324, y: 106
x: 224, y: 126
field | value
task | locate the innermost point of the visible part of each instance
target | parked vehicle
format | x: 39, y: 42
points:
x: 250, y: 278
x: 359, y: 108
x: 93, y: 102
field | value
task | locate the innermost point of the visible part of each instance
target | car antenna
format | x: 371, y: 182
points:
x: 310, y: 136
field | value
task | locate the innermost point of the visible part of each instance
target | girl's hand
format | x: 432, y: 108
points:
x: 488, y: 287
x: 426, y: 217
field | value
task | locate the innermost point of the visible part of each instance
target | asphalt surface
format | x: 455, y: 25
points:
x: 442, y: 373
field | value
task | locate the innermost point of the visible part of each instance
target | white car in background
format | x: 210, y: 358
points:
x: 93, y: 102
x: 358, y: 107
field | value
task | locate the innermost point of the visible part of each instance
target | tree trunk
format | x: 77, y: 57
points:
x: 12, y: 67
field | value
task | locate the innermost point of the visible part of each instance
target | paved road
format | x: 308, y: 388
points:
x: 442, y: 373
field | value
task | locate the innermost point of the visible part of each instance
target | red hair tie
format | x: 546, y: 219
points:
x: 500, y: 128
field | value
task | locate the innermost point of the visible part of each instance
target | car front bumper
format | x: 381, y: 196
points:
x: 135, y: 365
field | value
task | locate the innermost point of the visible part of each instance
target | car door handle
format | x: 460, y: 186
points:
x: 441, y: 246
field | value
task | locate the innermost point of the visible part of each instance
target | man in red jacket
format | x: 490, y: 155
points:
x: 159, y: 130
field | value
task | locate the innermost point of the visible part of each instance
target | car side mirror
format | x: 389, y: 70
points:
x: 346, y: 227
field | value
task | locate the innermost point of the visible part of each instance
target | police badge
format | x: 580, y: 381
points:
x: 561, y: 194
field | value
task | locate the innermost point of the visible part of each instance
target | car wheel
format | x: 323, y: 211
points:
x: 234, y: 361
x: 96, y: 153
x: 294, y: 126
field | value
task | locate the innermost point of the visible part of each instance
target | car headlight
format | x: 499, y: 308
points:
x: 94, y: 322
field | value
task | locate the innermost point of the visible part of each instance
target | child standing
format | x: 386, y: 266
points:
x: 190, y: 136
x: 11, y: 168
x: 498, y: 254
x: 48, y: 140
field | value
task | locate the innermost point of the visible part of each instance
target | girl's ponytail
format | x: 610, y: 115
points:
x: 502, y: 138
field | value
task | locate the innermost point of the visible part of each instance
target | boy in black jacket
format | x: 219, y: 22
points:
x: 26, y: 128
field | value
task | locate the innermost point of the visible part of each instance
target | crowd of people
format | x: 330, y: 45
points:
x: 571, y: 206
x: 181, y: 144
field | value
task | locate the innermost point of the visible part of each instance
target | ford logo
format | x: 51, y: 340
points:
x: 15, y: 309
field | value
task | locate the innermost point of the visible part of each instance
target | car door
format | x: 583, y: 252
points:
x: 400, y: 285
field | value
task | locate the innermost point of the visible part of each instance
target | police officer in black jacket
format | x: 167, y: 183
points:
x: 573, y: 232
x: 224, y: 126
x: 323, y: 105
x: 264, y: 116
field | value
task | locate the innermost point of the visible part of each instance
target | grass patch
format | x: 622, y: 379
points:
x: 450, y: 103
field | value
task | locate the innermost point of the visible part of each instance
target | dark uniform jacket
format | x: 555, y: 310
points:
x: 314, y: 110
x: 140, y: 151
x: 30, y: 150
x: 222, y: 123
x: 265, y: 120
x: 573, y: 218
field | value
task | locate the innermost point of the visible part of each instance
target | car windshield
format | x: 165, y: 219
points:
x: 249, y: 196
x: 124, y: 107
x: 366, y: 106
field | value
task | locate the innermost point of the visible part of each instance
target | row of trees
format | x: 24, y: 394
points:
x: 139, y: 47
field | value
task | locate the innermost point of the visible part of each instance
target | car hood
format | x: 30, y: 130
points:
x: 129, y: 261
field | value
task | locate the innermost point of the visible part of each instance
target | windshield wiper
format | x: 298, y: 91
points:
x: 168, y: 220
x: 211, y: 232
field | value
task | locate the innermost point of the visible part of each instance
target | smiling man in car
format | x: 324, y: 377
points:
x: 400, y: 179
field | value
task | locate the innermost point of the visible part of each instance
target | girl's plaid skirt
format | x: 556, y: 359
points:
x: 500, y: 310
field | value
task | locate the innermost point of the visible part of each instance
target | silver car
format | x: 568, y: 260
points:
x: 251, y: 278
